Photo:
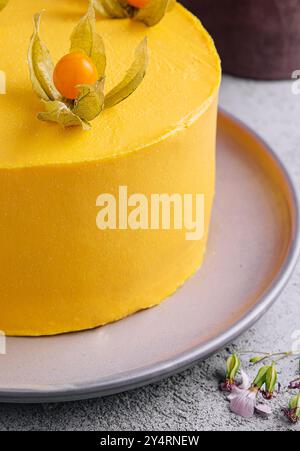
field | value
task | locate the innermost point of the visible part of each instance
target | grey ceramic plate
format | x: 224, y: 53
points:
x: 253, y: 248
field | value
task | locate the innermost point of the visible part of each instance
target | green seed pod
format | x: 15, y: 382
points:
x: 260, y: 379
x: 233, y: 365
x: 271, y: 378
x: 256, y: 359
x: 295, y: 404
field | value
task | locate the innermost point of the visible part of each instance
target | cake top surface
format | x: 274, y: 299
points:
x: 181, y: 81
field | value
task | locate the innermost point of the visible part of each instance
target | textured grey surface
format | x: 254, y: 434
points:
x: 190, y: 401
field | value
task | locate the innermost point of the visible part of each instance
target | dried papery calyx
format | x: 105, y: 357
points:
x: 150, y: 12
x: 154, y: 11
x: 73, y: 91
x: 132, y: 79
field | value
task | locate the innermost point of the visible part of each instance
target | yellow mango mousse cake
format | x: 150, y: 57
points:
x: 59, y: 271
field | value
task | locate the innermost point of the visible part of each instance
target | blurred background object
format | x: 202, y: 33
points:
x: 256, y: 38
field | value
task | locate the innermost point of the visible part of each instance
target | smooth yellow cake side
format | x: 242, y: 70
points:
x: 59, y: 272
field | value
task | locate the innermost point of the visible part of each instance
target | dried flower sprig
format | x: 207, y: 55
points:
x: 261, y: 356
x: 243, y: 399
x: 150, y: 12
x: 73, y: 91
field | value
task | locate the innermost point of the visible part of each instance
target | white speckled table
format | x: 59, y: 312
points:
x: 190, y: 401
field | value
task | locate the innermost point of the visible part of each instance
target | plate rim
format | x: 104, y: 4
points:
x: 153, y: 373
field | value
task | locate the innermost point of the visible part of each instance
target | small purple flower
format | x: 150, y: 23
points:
x: 238, y: 389
x: 243, y: 400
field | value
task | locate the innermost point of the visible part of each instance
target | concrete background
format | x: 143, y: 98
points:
x: 190, y: 401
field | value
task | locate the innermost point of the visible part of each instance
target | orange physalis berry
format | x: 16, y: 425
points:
x: 72, y: 70
x: 138, y: 3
